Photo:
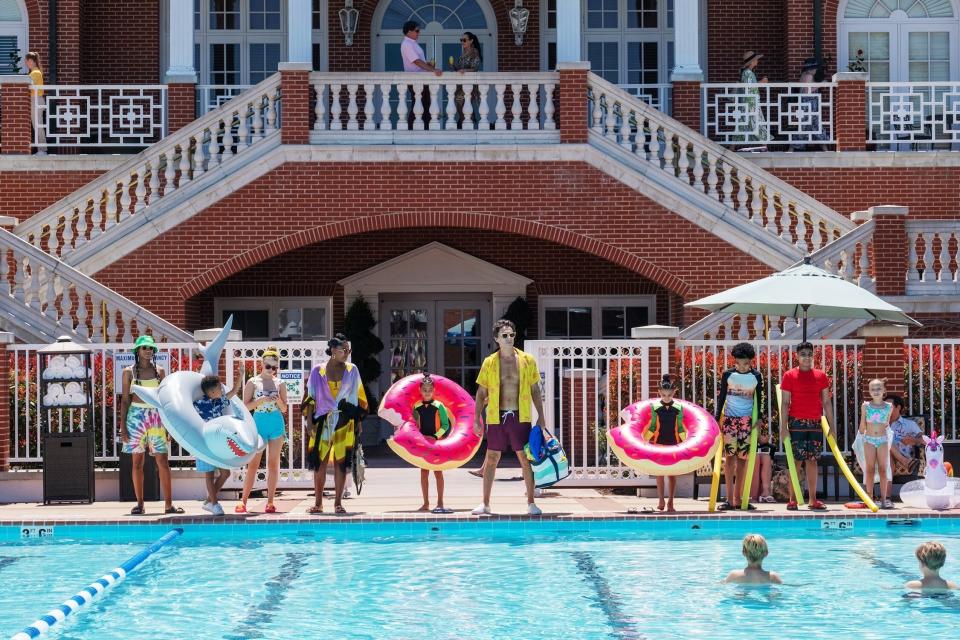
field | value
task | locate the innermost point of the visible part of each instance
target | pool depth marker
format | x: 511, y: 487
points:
x: 90, y: 593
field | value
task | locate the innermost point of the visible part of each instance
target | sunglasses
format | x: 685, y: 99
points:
x: 270, y: 366
x: 508, y: 335
x: 464, y: 39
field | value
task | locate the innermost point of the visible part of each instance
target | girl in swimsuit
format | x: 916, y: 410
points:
x: 874, y: 423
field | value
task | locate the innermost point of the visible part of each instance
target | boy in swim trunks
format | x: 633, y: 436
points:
x: 805, y: 397
x: 212, y: 405
x: 739, y: 410
x: 932, y: 556
x: 434, y: 422
x: 754, y: 550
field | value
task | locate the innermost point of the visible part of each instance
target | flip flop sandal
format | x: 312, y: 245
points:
x: 240, y: 508
x: 339, y: 510
x: 724, y: 506
x: 816, y: 505
x: 751, y: 507
x: 136, y: 511
x: 315, y: 510
x: 270, y: 509
x: 174, y: 510
x: 442, y: 511
x: 640, y: 510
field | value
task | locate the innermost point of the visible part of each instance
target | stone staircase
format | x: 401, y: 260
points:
x: 52, y: 254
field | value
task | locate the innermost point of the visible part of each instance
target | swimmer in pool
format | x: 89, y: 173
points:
x: 754, y: 550
x: 931, y: 555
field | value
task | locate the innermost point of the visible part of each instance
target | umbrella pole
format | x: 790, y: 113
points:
x: 804, y: 323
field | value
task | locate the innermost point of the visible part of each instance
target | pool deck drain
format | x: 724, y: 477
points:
x: 393, y: 495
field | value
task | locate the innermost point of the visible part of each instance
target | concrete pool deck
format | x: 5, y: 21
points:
x: 394, y: 495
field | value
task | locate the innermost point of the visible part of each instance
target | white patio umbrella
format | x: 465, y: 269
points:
x: 804, y: 291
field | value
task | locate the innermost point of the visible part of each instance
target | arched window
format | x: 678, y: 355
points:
x: 13, y: 35
x: 442, y: 23
x: 900, y: 40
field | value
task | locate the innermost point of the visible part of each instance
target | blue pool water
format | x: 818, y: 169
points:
x: 613, y: 580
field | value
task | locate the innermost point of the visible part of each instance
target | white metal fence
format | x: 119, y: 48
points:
x: 658, y: 96
x: 28, y: 424
x: 905, y: 115
x: 378, y: 105
x: 769, y: 114
x: 99, y: 116
x: 932, y: 368
x: 702, y: 363
x: 586, y: 383
x: 213, y: 96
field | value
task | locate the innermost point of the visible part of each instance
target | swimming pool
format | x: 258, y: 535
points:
x: 579, y: 579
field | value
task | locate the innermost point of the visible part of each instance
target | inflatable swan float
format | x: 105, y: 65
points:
x: 228, y: 441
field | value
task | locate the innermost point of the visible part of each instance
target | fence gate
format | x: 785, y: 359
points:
x: 585, y: 384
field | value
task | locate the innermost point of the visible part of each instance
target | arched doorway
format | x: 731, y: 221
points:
x: 13, y: 34
x: 901, y: 40
x: 442, y: 23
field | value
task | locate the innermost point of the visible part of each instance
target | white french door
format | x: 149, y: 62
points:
x: 903, y: 52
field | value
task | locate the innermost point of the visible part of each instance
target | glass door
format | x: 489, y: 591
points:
x: 407, y: 341
x: 465, y: 334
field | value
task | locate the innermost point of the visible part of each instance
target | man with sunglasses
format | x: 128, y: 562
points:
x: 414, y: 58
x: 805, y: 397
x: 509, y: 382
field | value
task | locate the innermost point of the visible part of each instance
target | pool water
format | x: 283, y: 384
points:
x: 614, y: 580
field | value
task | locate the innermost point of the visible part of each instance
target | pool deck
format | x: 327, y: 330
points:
x: 394, y: 495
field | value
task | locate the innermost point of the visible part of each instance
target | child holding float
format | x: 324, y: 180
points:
x: 666, y: 429
x: 433, y: 421
x: 739, y: 412
x: 214, y: 404
x: 874, y: 428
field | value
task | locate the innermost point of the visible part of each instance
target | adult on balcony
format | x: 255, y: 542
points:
x: 414, y: 61
x: 470, y: 60
x: 757, y: 127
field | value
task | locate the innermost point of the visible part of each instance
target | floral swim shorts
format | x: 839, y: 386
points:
x: 736, y: 435
x: 146, y: 432
x: 807, y: 438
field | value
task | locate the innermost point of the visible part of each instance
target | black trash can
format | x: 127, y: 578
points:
x: 151, y: 479
x: 68, y: 467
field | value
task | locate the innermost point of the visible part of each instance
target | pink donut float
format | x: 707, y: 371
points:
x: 698, y: 449
x: 453, y: 451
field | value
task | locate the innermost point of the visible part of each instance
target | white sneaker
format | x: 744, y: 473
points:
x: 534, y: 510
x: 217, y: 510
x: 482, y: 510
x: 209, y: 508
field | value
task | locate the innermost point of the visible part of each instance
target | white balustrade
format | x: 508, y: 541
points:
x: 850, y: 256
x: 40, y: 288
x: 214, y: 96
x: 769, y: 114
x: 99, y: 116
x: 933, y: 259
x: 496, y: 105
x: 785, y: 213
x: 156, y: 173
x: 906, y: 115
x: 659, y: 96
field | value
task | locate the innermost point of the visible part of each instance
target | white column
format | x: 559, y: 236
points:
x: 568, y: 31
x: 686, y: 46
x: 299, y: 40
x: 181, y: 40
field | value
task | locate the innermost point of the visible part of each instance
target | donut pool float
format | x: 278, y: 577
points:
x: 460, y: 444
x: 703, y: 439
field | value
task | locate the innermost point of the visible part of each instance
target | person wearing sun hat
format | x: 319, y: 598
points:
x: 141, y: 428
x: 757, y: 128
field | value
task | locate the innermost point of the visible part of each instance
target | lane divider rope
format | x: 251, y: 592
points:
x: 94, y: 590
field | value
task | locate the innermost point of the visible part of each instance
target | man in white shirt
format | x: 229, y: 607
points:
x: 411, y: 51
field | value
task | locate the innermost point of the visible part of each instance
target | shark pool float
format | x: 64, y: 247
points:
x: 228, y: 441
x: 936, y: 490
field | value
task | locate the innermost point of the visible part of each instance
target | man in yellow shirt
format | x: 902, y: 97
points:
x: 509, y: 382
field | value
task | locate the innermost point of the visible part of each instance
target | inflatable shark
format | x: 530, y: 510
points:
x: 228, y: 441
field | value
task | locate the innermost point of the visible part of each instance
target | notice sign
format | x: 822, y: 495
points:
x: 293, y: 380
x: 124, y: 359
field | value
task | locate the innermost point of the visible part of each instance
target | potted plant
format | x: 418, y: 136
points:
x: 519, y: 314
x: 358, y: 326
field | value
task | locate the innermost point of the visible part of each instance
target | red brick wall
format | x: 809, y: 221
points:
x: 572, y: 116
x: 510, y: 57
x: 929, y: 192
x: 15, y: 106
x: 883, y: 359
x: 39, y: 30
x: 120, y: 44
x: 565, y: 202
x: 295, y: 88
x: 849, y: 117
x: 734, y: 27
x: 555, y: 270
x: 68, y: 41
x: 686, y: 103
x: 798, y: 35
x: 23, y: 193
